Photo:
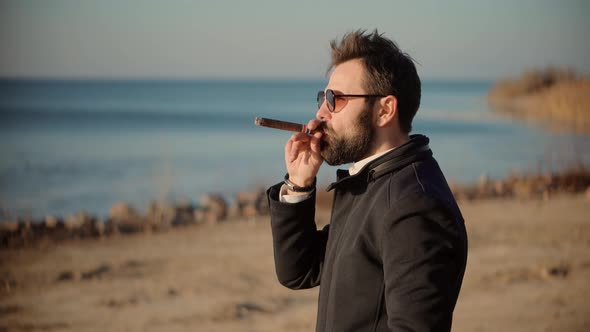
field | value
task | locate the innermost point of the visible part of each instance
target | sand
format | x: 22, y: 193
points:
x: 528, y: 270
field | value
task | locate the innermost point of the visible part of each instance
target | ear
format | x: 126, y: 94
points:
x: 387, y: 113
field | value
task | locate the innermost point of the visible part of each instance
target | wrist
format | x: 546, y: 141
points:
x: 298, y: 186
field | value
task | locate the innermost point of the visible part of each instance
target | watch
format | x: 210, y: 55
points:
x: 293, y: 187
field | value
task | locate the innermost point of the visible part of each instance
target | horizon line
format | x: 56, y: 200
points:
x: 214, y: 79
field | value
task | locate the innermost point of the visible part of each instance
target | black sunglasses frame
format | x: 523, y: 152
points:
x: 331, y: 97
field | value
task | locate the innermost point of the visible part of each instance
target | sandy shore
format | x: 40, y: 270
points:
x: 528, y: 270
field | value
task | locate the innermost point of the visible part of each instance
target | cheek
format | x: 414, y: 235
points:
x: 346, y: 128
x: 341, y: 126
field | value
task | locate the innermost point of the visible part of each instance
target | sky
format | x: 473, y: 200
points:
x: 284, y: 39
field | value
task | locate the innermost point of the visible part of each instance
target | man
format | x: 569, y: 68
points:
x: 394, y: 254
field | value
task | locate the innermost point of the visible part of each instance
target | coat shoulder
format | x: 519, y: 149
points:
x: 419, y: 187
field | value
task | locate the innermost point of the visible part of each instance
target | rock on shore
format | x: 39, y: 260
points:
x: 124, y: 219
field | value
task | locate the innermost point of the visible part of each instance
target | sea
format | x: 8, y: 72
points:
x: 82, y: 145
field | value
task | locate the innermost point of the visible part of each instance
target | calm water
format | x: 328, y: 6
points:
x: 67, y: 146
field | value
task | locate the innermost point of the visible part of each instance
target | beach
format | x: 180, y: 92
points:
x: 529, y: 262
x: 141, y: 211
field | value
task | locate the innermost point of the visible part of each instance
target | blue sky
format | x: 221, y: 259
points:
x: 283, y: 39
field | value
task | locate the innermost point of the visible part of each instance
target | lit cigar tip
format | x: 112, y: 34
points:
x: 258, y: 121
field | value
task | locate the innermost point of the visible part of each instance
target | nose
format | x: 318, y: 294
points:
x: 323, y: 114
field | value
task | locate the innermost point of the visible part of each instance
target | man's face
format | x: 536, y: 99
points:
x: 351, y: 145
x: 348, y: 133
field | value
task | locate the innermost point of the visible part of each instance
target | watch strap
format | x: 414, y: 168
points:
x: 296, y: 188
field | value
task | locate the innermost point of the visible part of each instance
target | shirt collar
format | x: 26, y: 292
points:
x: 358, y: 166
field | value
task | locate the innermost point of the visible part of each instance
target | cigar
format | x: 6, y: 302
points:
x: 283, y: 125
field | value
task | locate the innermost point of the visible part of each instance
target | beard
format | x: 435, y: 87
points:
x: 350, y: 146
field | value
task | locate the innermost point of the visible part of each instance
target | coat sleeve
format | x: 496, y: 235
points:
x: 423, y: 264
x: 299, y: 247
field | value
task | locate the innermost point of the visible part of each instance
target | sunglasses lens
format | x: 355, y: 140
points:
x: 320, y: 98
x: 330, y: 98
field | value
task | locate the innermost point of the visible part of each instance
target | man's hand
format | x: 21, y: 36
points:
x: 302, y: 156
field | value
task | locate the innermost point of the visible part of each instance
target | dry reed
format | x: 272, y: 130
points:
x: 557, y: 96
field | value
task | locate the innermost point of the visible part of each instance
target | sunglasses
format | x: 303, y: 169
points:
x: 330, y: 97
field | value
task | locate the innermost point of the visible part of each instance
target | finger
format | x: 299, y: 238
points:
x: 314, y: 124
x: 289, y: 146
x: 291, y: 152
x: 295, y: 151
x: 318, y: 134
x: 300, y: 137
x: 315, y: 143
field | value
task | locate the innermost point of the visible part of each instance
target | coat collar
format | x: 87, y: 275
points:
x: 415, y: 149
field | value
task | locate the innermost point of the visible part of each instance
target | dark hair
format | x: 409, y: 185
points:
x: 389, y: 70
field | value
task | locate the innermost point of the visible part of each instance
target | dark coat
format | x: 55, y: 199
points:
x: 394, y: 254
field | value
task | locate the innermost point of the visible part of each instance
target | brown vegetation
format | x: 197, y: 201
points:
x: 573, y: 180
x: 555, y: 96
x: 524, y: 186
